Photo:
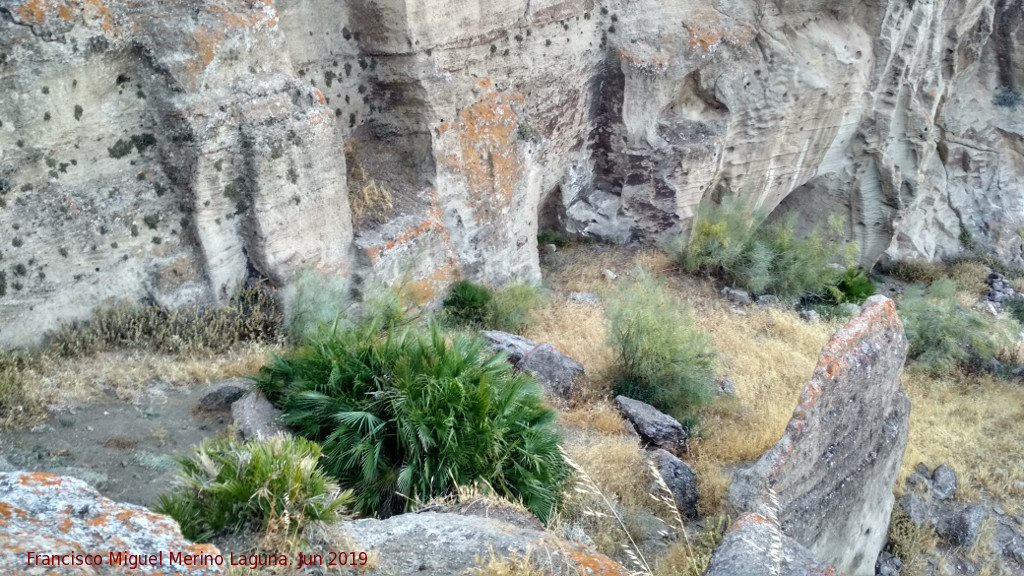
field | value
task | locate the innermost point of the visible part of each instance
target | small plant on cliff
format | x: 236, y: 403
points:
x: 405, y: 415
x: 663, y: 358
x: 273, y: 484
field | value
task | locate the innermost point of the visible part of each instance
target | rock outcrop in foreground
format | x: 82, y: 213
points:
x: 754, y: 546
x: 42, y: 515
x: 166, y: 151
x: 829, y: 480
x: 445, y: 544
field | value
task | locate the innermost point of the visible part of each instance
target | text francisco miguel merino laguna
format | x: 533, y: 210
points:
x: 161, y: 558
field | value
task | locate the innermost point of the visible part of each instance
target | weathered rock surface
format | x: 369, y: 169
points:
x: 221, y: 395
x: 680, y: 479
x: 167, y: 151
x: 43, y: 513
x: 255, y: 416
x: 655, y: 428
x: 559, y: 373
x: 833, y: 470
x: 443, y: 544
x: 754, y: 546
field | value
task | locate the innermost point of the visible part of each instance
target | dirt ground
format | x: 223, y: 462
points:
x: 124, y: 449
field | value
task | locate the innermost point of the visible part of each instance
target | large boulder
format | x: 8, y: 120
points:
x: 830, y: 477
x: 655, y: 428
x: 446, y: 544
x: 559, y: 373
x: 61, y: 525
x: 754, y: 546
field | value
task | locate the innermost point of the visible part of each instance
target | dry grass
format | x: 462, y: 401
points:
x: 511, y: 566
x: 55, y: 381
x: 601, y: 417
x: 970, y: 277
x: 770, y: 355
x: 579, y: 331
x: 973, y: 425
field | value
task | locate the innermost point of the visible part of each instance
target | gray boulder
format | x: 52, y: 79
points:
x: 755, y: 546
x: 654, y: 427
x: 559, y: 373
x: 221, y: 395
x: 888, y: 565
x: 255, y: 416
x: 944, y: 482
x: 49, y: 514
x: 737, y: 296
x: 961, y: 529
x: 445, y: 544
x: 680, y: 479
x: 830, y: 477
x: 724, y: 386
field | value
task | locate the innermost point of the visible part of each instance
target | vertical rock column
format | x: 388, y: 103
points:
x: 829, y: 479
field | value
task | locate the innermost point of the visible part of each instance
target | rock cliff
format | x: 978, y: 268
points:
x: 167, y: 151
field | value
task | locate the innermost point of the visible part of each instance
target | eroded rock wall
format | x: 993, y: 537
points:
x: 167, y: 151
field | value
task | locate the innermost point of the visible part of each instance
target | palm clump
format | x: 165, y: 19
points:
x: 405, y: 415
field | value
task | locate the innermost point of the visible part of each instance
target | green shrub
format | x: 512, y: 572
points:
x: 663, y: 359
x: 1015, y: 307
x: 728, y: 243
x: 942, y: 334
x: 554, y: 237
x: 269, y: 484
x: 467, y: 303
x: 854, y: 287
x: 405, y: 416
x: 475, y: 306
x: 510, y: 308
x: 252, y: 315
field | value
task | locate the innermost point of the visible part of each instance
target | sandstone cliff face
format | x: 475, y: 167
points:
x: 169, y: 150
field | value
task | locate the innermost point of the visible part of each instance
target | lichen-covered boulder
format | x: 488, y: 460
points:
x: 255, y: 416
x: 830, y: 477
x: 57, y: 525
x: 445, y: 544
x: 754, y: 546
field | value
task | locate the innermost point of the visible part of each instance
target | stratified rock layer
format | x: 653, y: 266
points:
x: 168, y: 151
x: 754, y: 546
x: 58, y: 515
x: 830, y: 477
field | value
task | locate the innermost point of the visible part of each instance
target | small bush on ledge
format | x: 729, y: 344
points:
x: 508, y: 309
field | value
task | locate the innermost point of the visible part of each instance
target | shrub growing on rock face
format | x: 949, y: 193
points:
x: 271, y: 484
x: 663, y: 358
x: 405, y: 416
x: 727, y: 242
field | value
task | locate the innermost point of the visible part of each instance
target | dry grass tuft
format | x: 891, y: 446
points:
x: 970, y: 277
x: 971, y: 423
x: 578, y: 330
x: 511, y: 566
x: 601, y: 417
x: 55, y: 381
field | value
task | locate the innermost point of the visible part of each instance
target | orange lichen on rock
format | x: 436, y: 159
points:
x: 845, y: 343
x: 34, y: 11
x: 707, y: 30
x: 489, y: 160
